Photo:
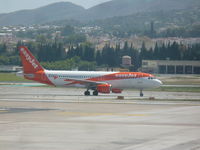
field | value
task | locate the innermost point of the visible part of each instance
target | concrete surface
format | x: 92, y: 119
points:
x: 46, y: 118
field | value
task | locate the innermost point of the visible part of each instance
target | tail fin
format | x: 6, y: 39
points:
x: 29, y: 62
x: 32, y: 70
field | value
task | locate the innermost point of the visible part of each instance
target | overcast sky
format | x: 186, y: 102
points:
x: 13, y: 5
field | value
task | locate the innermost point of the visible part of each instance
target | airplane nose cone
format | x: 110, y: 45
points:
x: 158, y: 83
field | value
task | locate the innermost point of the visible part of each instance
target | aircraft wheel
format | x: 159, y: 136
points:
x: 87, y: 93
x: 141, y: 94
x: 95, y: 93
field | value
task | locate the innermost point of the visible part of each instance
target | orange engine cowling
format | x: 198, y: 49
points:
x: 116, y: 91
x: 104, y: 88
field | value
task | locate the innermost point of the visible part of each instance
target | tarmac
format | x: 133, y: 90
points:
x: 46, y: 118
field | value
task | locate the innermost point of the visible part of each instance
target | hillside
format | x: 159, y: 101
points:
x: 115, y: 8
x: 184, y: 22
x: 53, y: 12
x: 127, y: 7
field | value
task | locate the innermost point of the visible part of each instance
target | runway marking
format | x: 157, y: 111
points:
x: 102, y: 114
x: 23, y: 110
x: 3, y: 111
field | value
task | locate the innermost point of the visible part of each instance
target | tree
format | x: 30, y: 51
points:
x: 67, y: 31
x: 156, y: 52
x: 112, y: 61
x: 89, y: 53
x: 51, y: 52
x: 136, y: 58
x: 41, y: 39
x: 75, y: 39
x: 163, y: 52
x: 175, y: 53
x: 99, y: 58
x: 85, y: 65
x: 144, y: 53
x: 3, y: 48
x: 126, y: 48
x: 4, y: 60
x: 118, y: 54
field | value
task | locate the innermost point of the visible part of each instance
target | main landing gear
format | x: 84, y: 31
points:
x: 141, y: 93
x: 95, y: 93
x: 87, y: 93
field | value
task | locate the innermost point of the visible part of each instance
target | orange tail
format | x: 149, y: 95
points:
x: 30, y: 64
x: 32, y: 70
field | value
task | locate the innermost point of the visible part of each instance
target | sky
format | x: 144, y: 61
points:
x: 14, y: 5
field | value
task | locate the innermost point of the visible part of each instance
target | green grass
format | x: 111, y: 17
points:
x: 177, y: 89
x: 186, y: 82
x: 180, y: 79
x: 11, y: 77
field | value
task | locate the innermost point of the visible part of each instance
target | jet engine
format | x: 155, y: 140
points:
x: 104, y: 88
x: 116, y: 90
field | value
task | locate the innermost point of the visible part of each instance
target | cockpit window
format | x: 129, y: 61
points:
x: 151, y: 78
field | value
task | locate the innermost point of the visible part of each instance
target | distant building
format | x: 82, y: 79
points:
x: 9, y: 68
x: 112, y: 69
x: 171, y: 67
x: 126, y: 61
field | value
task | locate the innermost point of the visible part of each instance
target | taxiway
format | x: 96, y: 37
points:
x: 45, y: 118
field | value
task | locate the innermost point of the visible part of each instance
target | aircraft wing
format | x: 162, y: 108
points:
x: 88, y: 83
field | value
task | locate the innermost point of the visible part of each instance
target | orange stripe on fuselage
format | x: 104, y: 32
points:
x: 121, y: 76
x: 72, y: 82
x: 114, y: 76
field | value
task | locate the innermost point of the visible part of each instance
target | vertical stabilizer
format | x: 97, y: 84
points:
x: 29, y: 62
x: 32, y: 70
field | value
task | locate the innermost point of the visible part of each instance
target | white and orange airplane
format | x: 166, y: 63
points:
x: 99, y: 82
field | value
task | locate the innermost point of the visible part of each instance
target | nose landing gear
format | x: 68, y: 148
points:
x: 141, y: 93
x: 95, y: 93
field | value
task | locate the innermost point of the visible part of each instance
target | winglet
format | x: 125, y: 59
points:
x: 29, y: 62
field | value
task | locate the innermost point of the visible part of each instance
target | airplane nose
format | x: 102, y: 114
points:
x: 158, y: 83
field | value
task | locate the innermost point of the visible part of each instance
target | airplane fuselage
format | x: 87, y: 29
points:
x: 119, y: 80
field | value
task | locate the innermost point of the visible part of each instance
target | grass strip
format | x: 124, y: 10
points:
x: 11, y: 77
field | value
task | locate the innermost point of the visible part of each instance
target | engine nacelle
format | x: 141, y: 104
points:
x: 116, y: 91
x: 104, y: 88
